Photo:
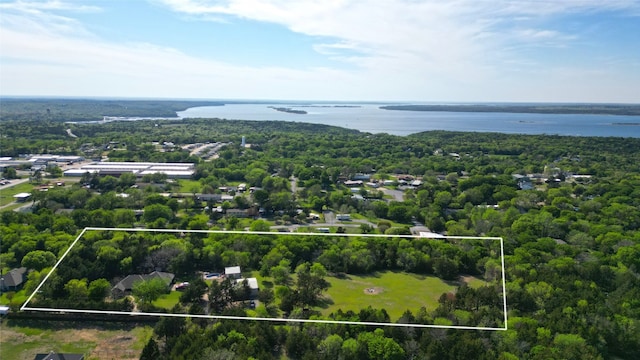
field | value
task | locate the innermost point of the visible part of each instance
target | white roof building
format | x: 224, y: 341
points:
x: 172, y: 170
x: 233, y: 271
x: 252, y: 282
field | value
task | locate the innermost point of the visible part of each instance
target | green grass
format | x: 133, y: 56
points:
x: 15, y: 206
x: 400, y: 292
x: 6, y: 195
x: 168, y: 301
x: 18, y: 298
x: 475, y: 282
x: 187, y: 186
x: 23, y: 339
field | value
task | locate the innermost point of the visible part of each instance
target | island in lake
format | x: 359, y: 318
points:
x: 288, y: 110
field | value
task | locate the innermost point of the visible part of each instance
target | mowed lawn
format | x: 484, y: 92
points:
x: 168, y: 301
x: 397, y: 292
x: 23, y: 339
x: 6, y: 194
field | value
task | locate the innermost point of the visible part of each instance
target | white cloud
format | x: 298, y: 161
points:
x: 37, y: 6
x: 397, y: 50
x: 459, y: 39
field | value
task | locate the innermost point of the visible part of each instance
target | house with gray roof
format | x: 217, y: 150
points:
x: 13, y: 280
x: 59, y: 356
x: 125, y: 285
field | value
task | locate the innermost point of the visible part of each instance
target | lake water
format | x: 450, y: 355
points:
x: 372, y: 119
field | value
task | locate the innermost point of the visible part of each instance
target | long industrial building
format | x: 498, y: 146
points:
x: 172, y: 170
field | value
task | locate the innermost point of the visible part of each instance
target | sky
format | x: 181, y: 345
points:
x: 347, y: 50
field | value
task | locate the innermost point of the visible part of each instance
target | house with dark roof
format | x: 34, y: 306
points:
x: 13, y: 280
x: 125, y: 285
x: 58, y: 356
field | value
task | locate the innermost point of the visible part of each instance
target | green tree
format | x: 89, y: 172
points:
x: 99, y: 289
x: 310, y: 283
x: 150, y: 351
x: 330, y: 348
x: 38, y: 259
x: 194, y: 291
x: 154, y: 212
x: 77, y: 290
x: 446, y: 268
x: 148, y: 291
x: 399, y: 212
x: 9, y: 173
x: 221, y: 294
x: 380, y: 347
x: 259, y: 225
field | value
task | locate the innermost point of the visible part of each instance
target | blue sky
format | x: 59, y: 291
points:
x: 380, y: 50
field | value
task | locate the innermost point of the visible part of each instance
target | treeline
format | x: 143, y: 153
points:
x: 608, y: 109
x: 61, y: 110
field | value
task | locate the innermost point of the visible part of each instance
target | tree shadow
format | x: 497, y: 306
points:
x: 324, y: 302
x: 341, y: 276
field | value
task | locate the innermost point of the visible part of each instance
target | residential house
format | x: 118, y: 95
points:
x: 363, y: 177
x: 13, y: 280
x: 59, y: 356
x: 353, y: 183
x: 125, y: 285
x: 239, y: 213
x: 524, y: 182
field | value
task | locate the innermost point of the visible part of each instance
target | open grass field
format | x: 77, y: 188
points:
x: 187, y: 186
x: 6, y: 195
x: 23, y: 339
x: 393, y: 291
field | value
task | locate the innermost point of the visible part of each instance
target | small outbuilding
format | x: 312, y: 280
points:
x: 233, y: 272
x: 253, y: 285
x: 22, y: 197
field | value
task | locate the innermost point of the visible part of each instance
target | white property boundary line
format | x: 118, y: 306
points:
x: 24, y: 307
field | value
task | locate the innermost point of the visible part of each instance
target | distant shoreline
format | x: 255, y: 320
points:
x: 586, y: 109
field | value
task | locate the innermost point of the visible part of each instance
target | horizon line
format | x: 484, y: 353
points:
x: 328, y: 101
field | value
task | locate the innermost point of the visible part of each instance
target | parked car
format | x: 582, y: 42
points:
x: 182, y: 286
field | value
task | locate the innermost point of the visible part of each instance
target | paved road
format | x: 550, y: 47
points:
x: 13, y: 182
x: 397, y: 194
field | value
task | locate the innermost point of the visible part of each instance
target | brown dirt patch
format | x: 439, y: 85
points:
x: 466, y: 279
x: 373, y: 290
x: 118, y: 347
